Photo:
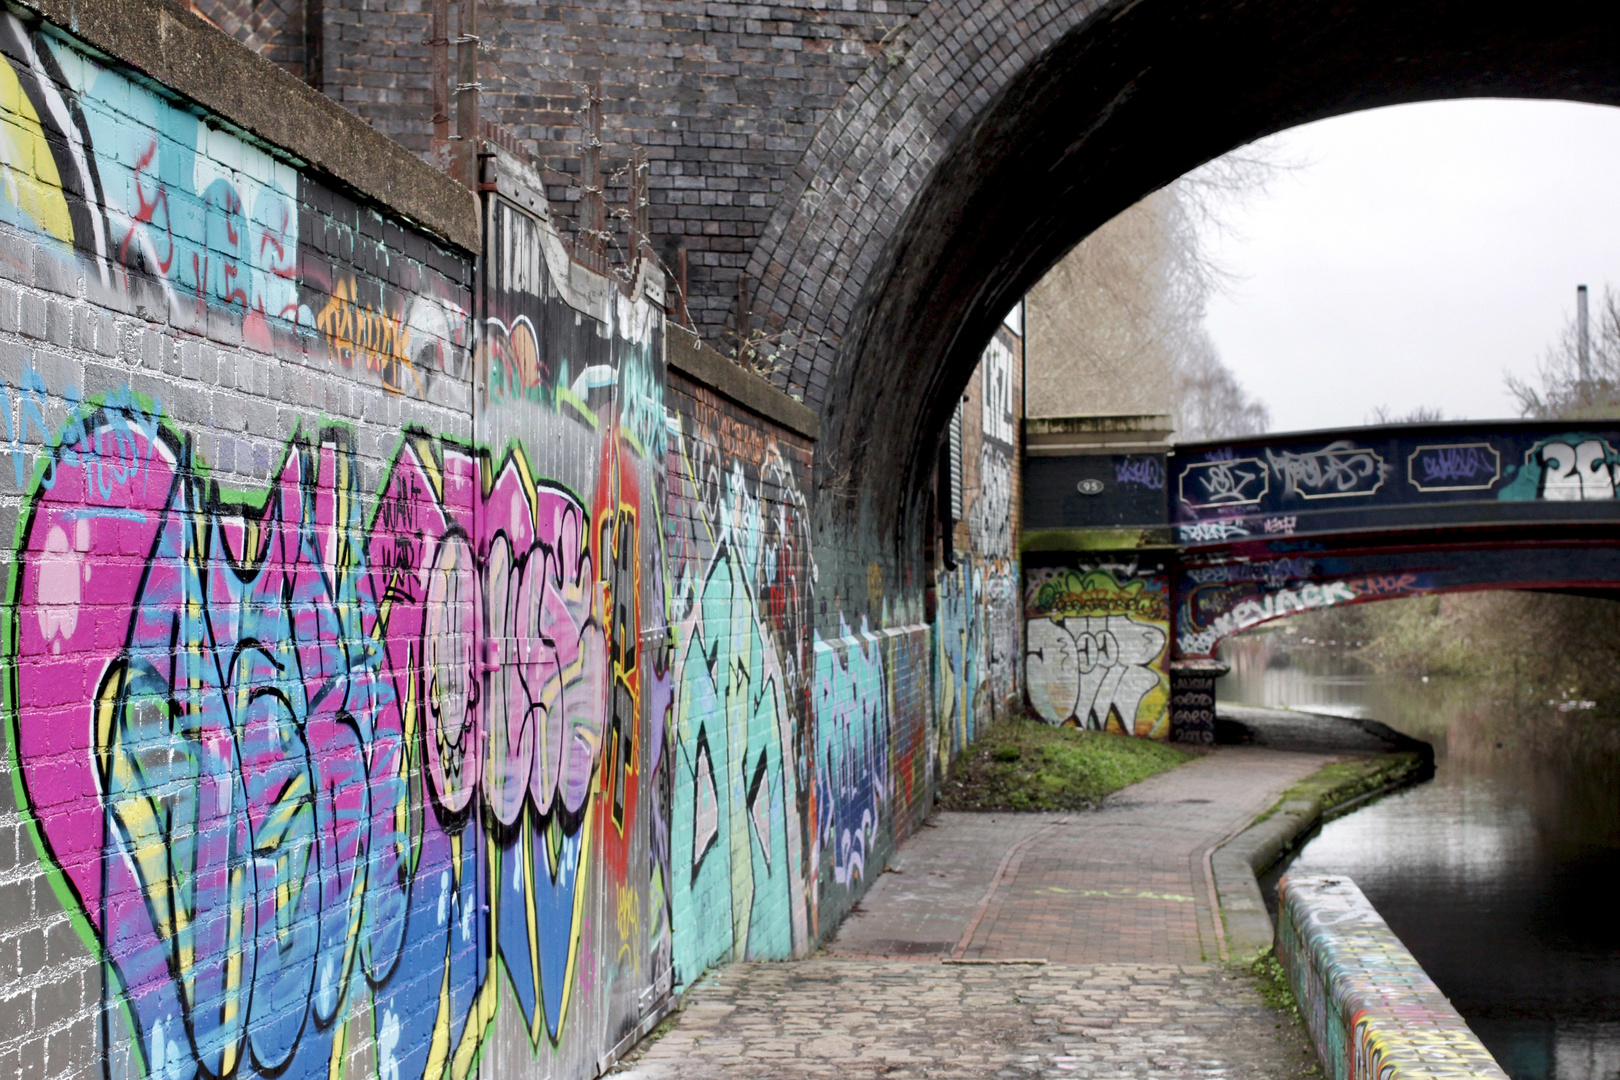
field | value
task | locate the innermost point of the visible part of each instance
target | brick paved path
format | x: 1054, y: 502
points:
x: 1114, y: 903
x: 1124, y: 882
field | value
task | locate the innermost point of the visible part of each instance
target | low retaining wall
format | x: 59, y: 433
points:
x: 1373, y: 1013
x: 1235, y: 866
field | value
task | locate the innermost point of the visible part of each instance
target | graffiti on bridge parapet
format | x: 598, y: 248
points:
x: 1576, y: 467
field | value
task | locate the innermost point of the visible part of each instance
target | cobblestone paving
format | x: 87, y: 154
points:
x: 899, y: 1020
x: 1113, y: 900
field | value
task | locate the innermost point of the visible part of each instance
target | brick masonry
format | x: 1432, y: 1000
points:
x: 384, y: 687
x: 888, y: 178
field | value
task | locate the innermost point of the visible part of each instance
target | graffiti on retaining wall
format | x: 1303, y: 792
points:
x: 742, y: 823
x: 145, y: 191
x: 298, y: 771
x: 1096, y: 654
x: 185, y: 221
x: 990, y: 518
x: 852, y: 753
x: 961, y: 698
x: 403, y: 341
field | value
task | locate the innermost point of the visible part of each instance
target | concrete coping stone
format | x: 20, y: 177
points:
x: 1371, y: 1009
x: 181, y: 52
x: 686, y: 353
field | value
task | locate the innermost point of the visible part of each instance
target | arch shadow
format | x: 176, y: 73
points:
x: 1138, y: 94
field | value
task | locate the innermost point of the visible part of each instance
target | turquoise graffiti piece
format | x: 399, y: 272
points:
x: 1574, y: 467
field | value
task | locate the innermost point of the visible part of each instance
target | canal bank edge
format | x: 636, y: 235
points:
x: 1246, y: 929
x: 1371, y: 1009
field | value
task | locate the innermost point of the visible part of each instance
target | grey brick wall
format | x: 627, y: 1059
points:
x: 724, y: 97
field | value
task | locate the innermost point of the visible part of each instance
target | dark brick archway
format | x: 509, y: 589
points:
x: 890, y: 175
x: 921, y: 215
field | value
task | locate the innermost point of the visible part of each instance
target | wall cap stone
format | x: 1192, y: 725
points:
x: 685, y: 353
x: 1371, y: 1009
x: 1074, y: 425
x: 166, y: 43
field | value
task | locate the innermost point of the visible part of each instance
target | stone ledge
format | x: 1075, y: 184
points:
x: 1122, y: 539
x: 685, y: 353
x: 1247, y: 925
x: 1371, y: 1009
x: 176, y: 49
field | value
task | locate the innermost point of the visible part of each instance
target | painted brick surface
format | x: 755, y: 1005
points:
x: 385, y: 690
x: 801, y: 758
x: 977, y: 631
x: 1370, y: 1008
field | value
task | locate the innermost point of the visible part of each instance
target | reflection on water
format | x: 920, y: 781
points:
x: 1502, y: 874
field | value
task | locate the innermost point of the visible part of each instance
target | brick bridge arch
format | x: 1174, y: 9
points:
x: 890, y: 175
x: 948, y: 181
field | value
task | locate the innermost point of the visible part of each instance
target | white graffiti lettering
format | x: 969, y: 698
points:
x: 1339, y: 470
x: 1210, y: 532
x: 1253, y: 612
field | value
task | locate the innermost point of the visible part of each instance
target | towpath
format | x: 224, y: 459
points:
x: 1012, y: 945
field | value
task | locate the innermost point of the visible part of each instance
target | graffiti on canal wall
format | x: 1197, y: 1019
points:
x: 332, y: 743
x: 742, y: 827
x: 801, y: 755
x: 305, y: 786
x: 1371, y: 1009
x: 976, y: 628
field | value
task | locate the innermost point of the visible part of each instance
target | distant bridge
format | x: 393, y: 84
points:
x: 1268, y: 527
x: 1150, y: 560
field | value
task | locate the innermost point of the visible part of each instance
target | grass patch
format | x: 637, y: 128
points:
x: 1023, y: 764
x: 1342, y: 781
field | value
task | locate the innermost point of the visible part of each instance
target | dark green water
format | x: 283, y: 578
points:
x: 1502, y: 874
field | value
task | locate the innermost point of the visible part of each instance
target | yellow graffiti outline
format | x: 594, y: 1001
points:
x: 27, y: 165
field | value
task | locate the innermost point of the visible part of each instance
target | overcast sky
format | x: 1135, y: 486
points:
x: 1414, y: 254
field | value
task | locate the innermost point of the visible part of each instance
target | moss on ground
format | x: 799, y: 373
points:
x: 1343, y: 781
x: 1023, y: 764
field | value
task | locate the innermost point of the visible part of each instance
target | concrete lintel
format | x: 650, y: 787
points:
x: 1134, y: 433
x: 686, y: 354
x: 1070, y: 447
x: 172, y: 47
x: 1122, y: 540
x: 1141, y: 423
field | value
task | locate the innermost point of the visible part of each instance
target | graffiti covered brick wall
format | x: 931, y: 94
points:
x: 1098, y: 647
x: 207, y: 359
x: 334, y: 706
x: 799, y: 756
x: 977, y: 639
x: 742, y: 585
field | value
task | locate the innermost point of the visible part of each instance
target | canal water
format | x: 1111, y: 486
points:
x: 1502, y: 874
